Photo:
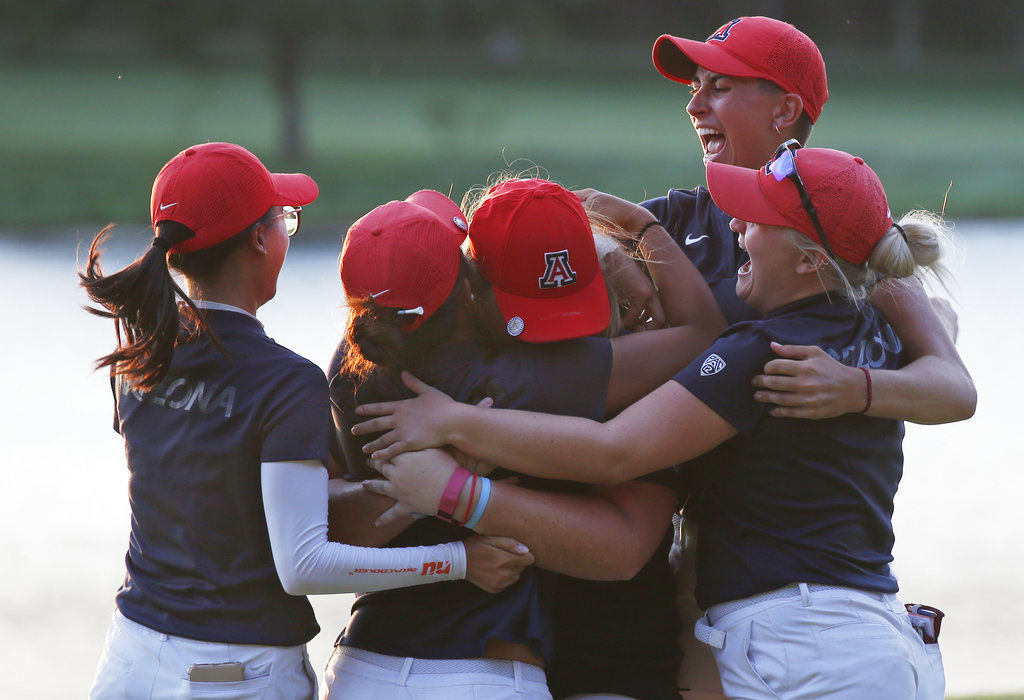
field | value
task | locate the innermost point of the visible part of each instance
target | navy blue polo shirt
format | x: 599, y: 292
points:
x: 199, y: 563
x: 454, y: 619
x: 792, y: 500
x: 702, y: 230
x: 619, y: 636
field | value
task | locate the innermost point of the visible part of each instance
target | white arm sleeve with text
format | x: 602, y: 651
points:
x: 295, y: 504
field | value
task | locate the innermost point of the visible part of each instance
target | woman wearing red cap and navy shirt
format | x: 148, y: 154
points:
x: 796, y: 533
x: 416, y: 303
x: 755, y: 83
x: 226, y: 437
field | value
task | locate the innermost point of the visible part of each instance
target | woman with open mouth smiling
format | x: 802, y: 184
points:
x: 796, y: 532
x: 755, y: 83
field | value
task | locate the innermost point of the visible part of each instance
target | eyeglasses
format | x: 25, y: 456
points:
x: 782, y: 167
x: 291, y: 219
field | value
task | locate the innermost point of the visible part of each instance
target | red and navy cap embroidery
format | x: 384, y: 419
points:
x: 723, y: 33
x: 557, y: 271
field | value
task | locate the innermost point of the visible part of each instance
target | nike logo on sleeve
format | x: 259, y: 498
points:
x: 690, y: 240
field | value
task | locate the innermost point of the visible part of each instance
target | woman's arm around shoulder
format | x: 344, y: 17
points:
x: 666, y: 427
x: 933, y: 387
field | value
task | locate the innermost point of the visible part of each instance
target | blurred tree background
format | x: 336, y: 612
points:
x: 378, y: 98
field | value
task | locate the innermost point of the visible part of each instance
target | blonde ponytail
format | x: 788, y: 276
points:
x: 919, y: 247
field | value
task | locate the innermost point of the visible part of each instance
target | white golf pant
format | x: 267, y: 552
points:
x: 356, y: 674
x: 139, y: 662
x: 812, y: 641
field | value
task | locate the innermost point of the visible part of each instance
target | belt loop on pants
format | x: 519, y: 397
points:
x: 805, y: 594
x: 403, y: 677
x: 707, y: 634
x: 517, y: 670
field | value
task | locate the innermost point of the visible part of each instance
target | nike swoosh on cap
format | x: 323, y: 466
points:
x: 690, y: 240
x: 168, y: 206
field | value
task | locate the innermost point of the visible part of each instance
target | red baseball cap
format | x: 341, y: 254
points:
x: 219, y: 190
x: 405, y: 255
x: 532, y: 240
x: 847, y: 196
x: 751, y: 47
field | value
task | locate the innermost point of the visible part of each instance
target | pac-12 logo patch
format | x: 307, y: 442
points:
x: 723, y: 33
x: 557, y: 270
x: 713, y: 364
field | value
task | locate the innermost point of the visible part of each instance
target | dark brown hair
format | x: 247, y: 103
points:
x: 376, y: 342
x: 143, y: 301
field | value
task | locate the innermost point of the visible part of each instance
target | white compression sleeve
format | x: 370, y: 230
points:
x: 295, y: 504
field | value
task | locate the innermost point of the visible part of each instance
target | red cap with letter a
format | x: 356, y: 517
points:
x: 533, y: 241
x: 751, y: 47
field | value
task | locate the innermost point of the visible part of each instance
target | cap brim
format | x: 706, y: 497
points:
x: 583, y: 313
x: 442, y: 207
x: 677, y: 59
x: 737, y: 191
x: 294, y: 189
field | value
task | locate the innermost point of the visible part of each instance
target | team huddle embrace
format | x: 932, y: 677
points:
x: 570, y: 446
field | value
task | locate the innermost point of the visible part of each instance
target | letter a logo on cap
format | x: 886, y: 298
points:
x: 723, y: 33
x: 557, y: 271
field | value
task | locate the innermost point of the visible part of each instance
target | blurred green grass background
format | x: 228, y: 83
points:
x: 83, y: 139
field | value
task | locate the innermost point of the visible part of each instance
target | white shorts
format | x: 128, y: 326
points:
x: 812, y: 641
x: 356, y: 674
x: 139, y: 662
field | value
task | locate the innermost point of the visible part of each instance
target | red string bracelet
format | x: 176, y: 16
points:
x: 867, y: 376
x: 469, y: 506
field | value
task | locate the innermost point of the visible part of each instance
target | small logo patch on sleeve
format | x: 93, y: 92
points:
x: 713, y: 364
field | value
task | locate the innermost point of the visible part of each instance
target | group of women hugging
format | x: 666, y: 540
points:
x: 531, y: 387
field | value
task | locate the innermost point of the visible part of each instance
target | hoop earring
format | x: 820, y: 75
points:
x: 778, y: 130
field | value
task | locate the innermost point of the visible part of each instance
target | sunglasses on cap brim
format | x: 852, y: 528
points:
x: 782, y: 166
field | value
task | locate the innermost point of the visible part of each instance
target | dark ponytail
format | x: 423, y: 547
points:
x: 376, y: 342
x: 143, y: 301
